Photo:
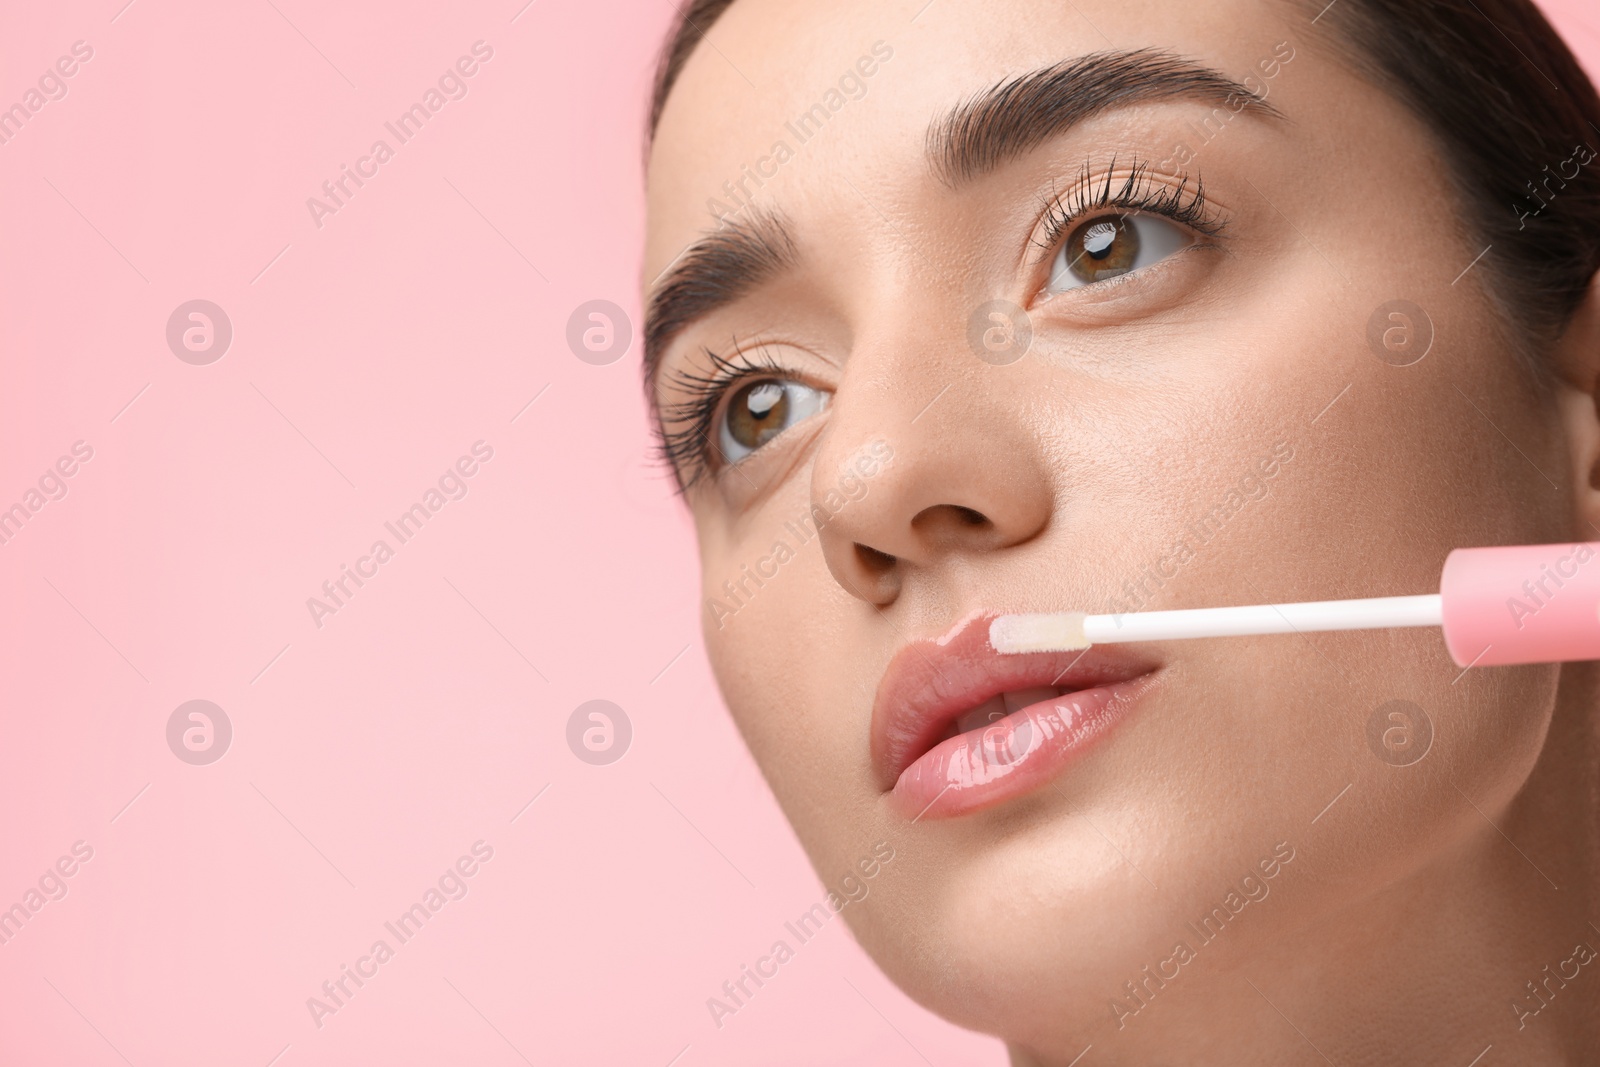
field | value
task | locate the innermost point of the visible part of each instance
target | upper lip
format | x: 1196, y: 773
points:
x: 931, y: 682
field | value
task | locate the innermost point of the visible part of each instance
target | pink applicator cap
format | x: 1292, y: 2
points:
x: 1521, y: 604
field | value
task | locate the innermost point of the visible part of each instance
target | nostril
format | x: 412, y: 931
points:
x: 971, y: 517
x: 875, y: 562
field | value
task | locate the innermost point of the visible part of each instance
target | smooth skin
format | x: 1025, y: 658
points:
x: 1421, y: 899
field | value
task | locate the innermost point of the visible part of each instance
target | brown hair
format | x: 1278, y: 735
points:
x: 694, y: 19
x: 1513, y: 113
x: 1505, y: 98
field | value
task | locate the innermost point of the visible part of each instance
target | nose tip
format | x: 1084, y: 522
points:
x: 964, y: 468
x: 924, y: 509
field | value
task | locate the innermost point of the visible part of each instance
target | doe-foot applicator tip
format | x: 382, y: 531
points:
x: 1043, y: 632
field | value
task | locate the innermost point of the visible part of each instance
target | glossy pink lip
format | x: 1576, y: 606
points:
x: 931, y: 683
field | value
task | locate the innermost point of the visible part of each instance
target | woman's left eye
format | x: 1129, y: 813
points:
x: 1108, y: 246
x: 762, y: 409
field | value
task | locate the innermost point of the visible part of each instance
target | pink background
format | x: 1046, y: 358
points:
x: 369, y: 753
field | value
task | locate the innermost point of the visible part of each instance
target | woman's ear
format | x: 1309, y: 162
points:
x: 1577, y: 364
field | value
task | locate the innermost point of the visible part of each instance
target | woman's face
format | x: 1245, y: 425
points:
x: 999, y: 358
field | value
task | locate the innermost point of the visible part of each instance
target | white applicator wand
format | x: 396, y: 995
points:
x: 1503, y: 605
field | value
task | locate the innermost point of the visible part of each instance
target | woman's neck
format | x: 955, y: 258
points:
x: 1495, y: 942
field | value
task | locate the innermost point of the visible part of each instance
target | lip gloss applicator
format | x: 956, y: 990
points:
x: 1497, y: 606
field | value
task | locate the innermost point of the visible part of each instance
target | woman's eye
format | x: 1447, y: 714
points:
x: 761, y: 410
x: 1112, y: 245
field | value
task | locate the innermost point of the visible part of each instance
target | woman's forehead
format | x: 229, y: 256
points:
x: 742, y: 177
x: 780, y: 100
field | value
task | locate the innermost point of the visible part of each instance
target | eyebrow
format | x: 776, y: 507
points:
x: 1005, y: 121
x: 978, y: 135
x: 713, y: 272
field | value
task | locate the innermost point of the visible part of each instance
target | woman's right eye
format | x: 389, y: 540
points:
x: 760, y: 410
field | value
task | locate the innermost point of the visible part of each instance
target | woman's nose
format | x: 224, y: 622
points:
x: 956, y: 471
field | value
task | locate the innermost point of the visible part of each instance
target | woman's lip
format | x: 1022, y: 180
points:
x: 1015, y: 755
x: 931, y: 683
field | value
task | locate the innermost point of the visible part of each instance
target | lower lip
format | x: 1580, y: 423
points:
x: 1014, y: 755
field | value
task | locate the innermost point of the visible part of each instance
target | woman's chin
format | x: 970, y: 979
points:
x: 1013, y: 943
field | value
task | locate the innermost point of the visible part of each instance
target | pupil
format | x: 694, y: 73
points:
x: 763, y: 398
x: 1100, y: 239
x: 759, y: 412
x: 1103, y: 248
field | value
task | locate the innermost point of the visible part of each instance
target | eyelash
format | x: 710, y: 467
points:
x: 688, y: 449
x: 1139, y: 192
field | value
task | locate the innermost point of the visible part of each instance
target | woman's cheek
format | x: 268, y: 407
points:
x: 799, y: 689
x: 1494, y: 725
x: 756, y: 631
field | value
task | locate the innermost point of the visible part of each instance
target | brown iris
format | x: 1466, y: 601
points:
x: 1102, y: 248
x: 757, y: 413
